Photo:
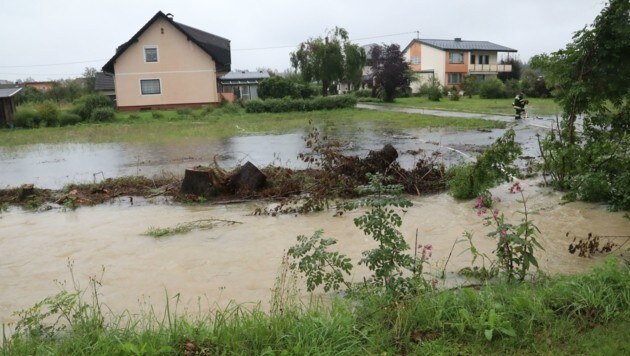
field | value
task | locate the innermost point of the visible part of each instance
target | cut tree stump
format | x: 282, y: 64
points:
x: 247, y: 178
x: 379, y: 161
x: 198, y: 181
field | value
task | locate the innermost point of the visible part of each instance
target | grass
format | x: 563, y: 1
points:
x: 537, y: 106
x: 201, y: 124
x: 583, y: 314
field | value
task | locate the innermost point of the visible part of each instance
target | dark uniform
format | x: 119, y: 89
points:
x: 519, y: 106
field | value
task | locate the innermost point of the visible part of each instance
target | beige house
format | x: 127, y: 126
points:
x: 167, y: 64
x: 450, y: 60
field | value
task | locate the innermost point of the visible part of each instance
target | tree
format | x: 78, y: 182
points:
x: 89, y: 75
x: 329, y: 60
x: 517, y: 68
x: 589, y: 79
x: 390, y: 70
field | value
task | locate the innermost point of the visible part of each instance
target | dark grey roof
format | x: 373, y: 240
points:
x: 244, y: 77
x: 9, y: 92
x: 217, y: 47
x: 104, y: 81
x: 458, y: 44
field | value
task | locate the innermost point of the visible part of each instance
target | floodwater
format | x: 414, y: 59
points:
x: 55, y: 165
x: 209, y: 268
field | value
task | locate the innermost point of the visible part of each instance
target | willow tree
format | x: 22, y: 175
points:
x: 589, y: 78
x: 330, y: 59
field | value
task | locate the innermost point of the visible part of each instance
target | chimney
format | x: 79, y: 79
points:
x: 458, y: 39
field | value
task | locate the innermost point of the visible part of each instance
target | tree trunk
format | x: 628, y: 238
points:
x: 198, y: 181
x: 247, y: 178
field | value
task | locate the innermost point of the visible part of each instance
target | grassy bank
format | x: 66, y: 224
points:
x: 537, y: 106
x: 190, y: 124
x: 584, y: 314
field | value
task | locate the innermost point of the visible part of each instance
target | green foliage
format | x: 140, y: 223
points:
x: 288, y: 104
x: 470, y: 85
x: 588, y: 80
x: 391, y: 70
x: 86, y: 104
x: 468, y: 181
x: 363, y: 93
x: 103, y: 114
x: 388, y: 261
x: 318, y: 264
x: 492, y: 88
x: 279, y: 87
x: 330, y: 59
x: 515, y: 74
x: 26, y: 118
x: 48, y: 113
x: 453, y: 95
x: 432, y: 89
x: 515, y: 243
x: 68, y: 118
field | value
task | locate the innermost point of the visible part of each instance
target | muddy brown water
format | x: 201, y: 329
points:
x: 210, y: 268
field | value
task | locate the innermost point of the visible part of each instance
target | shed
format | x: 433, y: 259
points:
x: 104, y: 84
x: 242, y: 84
x: 7, y: 104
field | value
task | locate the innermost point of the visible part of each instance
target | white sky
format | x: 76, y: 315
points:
x: 38, y: 38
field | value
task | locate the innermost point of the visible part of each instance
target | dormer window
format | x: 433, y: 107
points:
x: 150, y: 54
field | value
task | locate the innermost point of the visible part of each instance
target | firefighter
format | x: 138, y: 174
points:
x: 519, y: 105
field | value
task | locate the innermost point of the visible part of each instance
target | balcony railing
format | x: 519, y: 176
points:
x: 485, y: 68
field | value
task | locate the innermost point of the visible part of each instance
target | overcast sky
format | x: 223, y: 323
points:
x: 54, y: 39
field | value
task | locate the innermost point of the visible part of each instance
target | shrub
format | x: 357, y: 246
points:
x: 85, y: 105
x: 363, y: 93
x: 453, y: 95
x: 26, y: 118
x: 103, y: 114
x: 288, y: 104
x: 156, y: 115
x: 48, y: 113
x: 492, y: 89
x: 277, y: 88
x: 68, y: 118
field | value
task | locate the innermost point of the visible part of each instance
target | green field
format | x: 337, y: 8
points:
x: 160, y: 126
x: 537, y: 106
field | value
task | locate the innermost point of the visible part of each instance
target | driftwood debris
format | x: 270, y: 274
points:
x: 247, y: 178
x: 198, y: 181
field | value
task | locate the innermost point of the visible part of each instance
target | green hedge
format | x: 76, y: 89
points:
x: 288, y: 104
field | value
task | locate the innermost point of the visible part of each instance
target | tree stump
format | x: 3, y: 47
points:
x: 379, y: 161
x: 197, y: 181
x: 247, y: 178
x: 26, y: 190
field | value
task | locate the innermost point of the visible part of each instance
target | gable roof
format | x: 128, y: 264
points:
x: 8, y: 91
x: 459, y: 44
x: 217, y: 47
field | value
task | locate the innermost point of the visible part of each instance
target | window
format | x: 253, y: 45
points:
x: 150, y: 54
x: 454, y: 78
x: 415, y: 59
x: 456, y: 57
x: 484, y: 59
x: 472, y: 59
x: 150, y: 86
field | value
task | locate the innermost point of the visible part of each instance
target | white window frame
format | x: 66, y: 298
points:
x: 451, y: 55
x: 150, y: 79
x: 484, y: 59
x: 415, y: 59
x: 157, y: 53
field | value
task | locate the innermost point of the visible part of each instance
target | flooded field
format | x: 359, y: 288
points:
x: 54, y: 165
x: 239, y: 262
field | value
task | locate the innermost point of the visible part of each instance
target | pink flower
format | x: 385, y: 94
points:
x: 515, y: 188
x: 428, y: 247
x: 495, y: 213
x: 478, y: 203
x: 503, y: 233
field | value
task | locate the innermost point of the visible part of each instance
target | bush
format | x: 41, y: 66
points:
x: 156, y: 115
x: 277, y: 88
x: 453, y: 95
x: 363, y: 93
x: 512, y: 87
x: 492, y: 89
x: 69, y: 119
x: 85, y: 105
x: 288, y: 104
x: 103, y: 114
x: 48, y: 113
x: 26, y: 118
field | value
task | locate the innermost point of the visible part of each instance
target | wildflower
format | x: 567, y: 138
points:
x: 428, y: 247
x: 504, y: 233
x: 478, y: 203
x: 516, y: 188
x: 495, y: 213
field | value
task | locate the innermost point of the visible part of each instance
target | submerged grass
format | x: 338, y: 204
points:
x: 537, y: 106
x: 143, y: 127
x: 583, y: 314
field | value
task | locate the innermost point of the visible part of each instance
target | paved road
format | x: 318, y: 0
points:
x: 543, y: 122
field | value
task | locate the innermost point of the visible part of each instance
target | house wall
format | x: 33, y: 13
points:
x: 433, y: 58
x: 187, y: 74
x: 414, y: 51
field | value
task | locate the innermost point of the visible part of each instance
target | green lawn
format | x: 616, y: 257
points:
x: 160, y: 126
x: 537, y: 106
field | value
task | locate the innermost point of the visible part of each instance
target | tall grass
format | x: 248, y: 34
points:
x: 581, y: 314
